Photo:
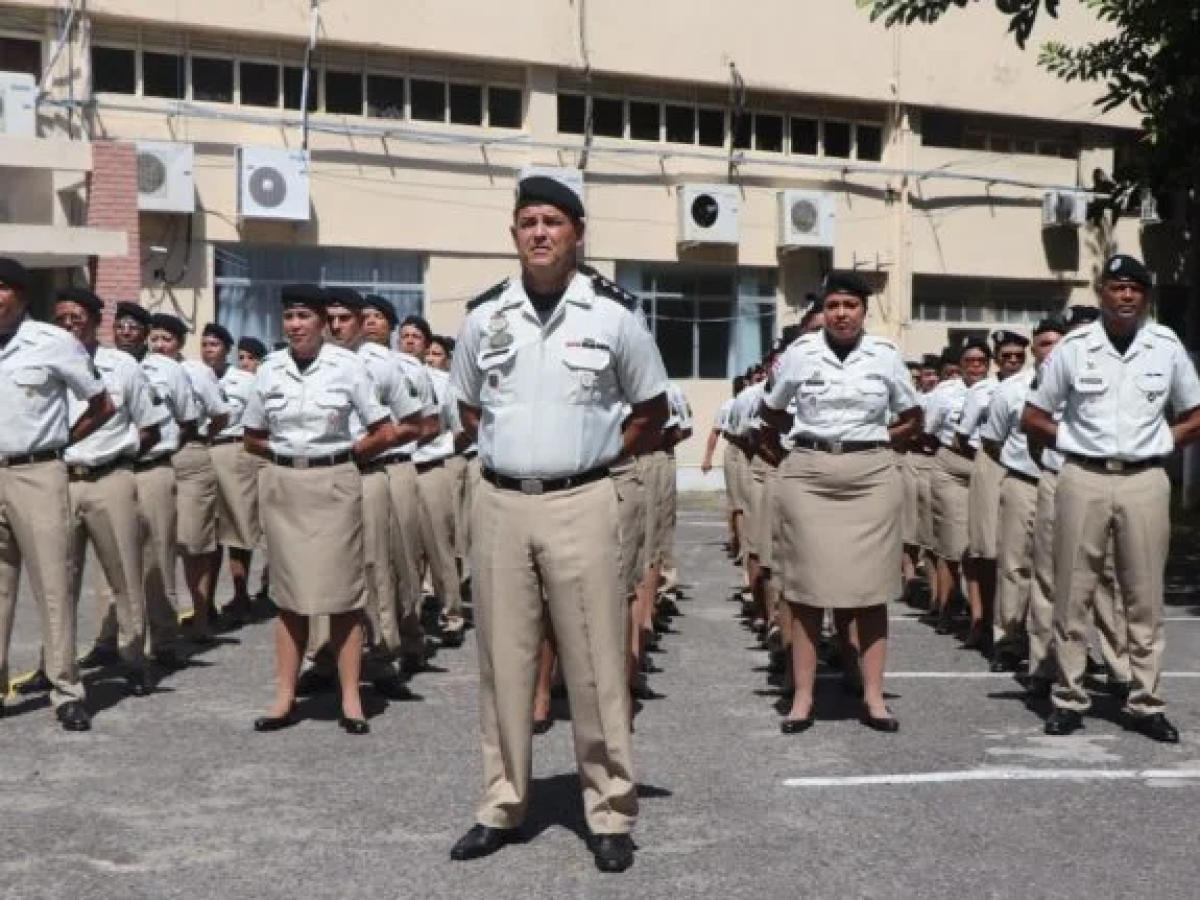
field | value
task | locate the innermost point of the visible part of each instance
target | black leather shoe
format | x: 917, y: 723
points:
x: 99, y: 657
x: 412, y: 664
x: 37, y: 683
x: 139, y: 683
x: 353, y: 726
x: 613, y: 852
x: 1038, y: 688
x: 1063, y: 722
x: 393, y: 688
x: 316, y: 681
x: 1004, y: 662
x: 541, y: 726
x: 797, y: 726
x: 1119, y: 690
x: 452, y: 639
x: 73, y: 716
x: 641, y: 690
x: 236, y: 613
x: 668, y: 607
x: 887, y: 724
x: 170, y: 661
x: 275, y: 723
x: 481, y: 841
x: 1157, y: 727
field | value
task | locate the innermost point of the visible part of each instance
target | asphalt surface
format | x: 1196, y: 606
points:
x: 174, y: 795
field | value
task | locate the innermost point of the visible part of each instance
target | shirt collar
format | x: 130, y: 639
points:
x: 577, y: 292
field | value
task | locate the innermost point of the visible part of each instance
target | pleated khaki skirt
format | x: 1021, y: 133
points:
x: 923, y: 470
x: 313, y: 522
x: 841, y: 528
x: 951, y: 482
x: 908, y: 511
x: 983, y: 507
x: 195, y: 499
x: 751, y: 532
x: 765, y: 516
x: 237, y: 496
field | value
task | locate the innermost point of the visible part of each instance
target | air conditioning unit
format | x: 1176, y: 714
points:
x: 165, y: 178
x: 1064, y: 209
x: 709, y: 214
x: 572, y: 178
x: 807, y: 219
x: 273, y: 184
x: 18, y: 104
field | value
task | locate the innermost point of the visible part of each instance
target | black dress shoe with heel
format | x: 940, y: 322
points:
x: 887, y: 724
x: 276, y: 723
x: 353, y: 726
x: 393, y: 688
x: 481, y: 841
x: 1063, y: 722
x: 73, y: 716
x: 1157, y: 727
x: 612, y: 852
x: 139, y: 683
x: 542, y: 726
x: 797, y: 726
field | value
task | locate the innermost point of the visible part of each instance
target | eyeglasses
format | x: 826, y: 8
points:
x: 1015, y: 354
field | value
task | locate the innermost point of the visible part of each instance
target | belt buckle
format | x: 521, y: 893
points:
x: 78, y: 471
x: 1114, y: 465
x: 835, y: 447
x: 532, y: 486
x: 299, y: 462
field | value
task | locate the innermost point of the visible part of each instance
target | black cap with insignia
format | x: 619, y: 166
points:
x: 13, y: 274
x: 930, y: 361
x: 83, y: 297
x: 170, y: 324
x: 308, y: 295
x: 344, y: 296
x: 1050, y: 324
x: 135, y: 311
x: 253, y: 346
x: 845, y: 283
x: 951, y: 356
x: 1082, y: 315
x: 538, y: 189
x: 1002, y: 338
x: 220, y: 332
x: 1122, y: 267
x: 384, y: 306
x: 974, y: 342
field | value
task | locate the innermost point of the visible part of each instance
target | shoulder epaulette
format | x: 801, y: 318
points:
x: 490, y: 294
x: 884, y: 342
x: 1163, y: 331
x: 605, y: 287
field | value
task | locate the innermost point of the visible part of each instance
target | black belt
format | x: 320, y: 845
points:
x: 374, y: 467
x: 310, y: 462
x: 29, y: 459
x: 469, y: 454
x: 145, y: 465
x: 837, y: 447
x: 228, y: 439
x: 543, y: 485
x: 397, y: 460
x: 423, y: 467
x: 953, y: 448
x: 1115, y: 466
x: 91, y: 473
x: 1021, y: 476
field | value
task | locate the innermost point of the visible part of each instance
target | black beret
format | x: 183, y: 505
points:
x: 1002, y: 338
x: 1082, y: 315
x: 538, y: 189
x: 220, y: 332
x: 83, y: 297
x: 169, y: 323
x: 845, y: 283
x: 384, y: 305
x: 789, y: 335
x: 309, y: 295
x: 951, y: 356
x: 135, y: 311
x: 971, y: 342
x: 1122, y: 267
x: 281, y: 345
x: 446, y: 343
x: 1054, y: 324
x: 253, y: 346
x: 344, y: 296
x: 930, y: 361
x: 15, y: 275
x: 913, y: 364
x: 420, y: 324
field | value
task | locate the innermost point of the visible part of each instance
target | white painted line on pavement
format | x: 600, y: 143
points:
x: 975, y: 675
x: 916, y: 618
x: 997, y: 774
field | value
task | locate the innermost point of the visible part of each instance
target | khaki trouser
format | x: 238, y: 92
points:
x: 670, y: 511
x: 435, y: 487
x: 1014, y: 575
x: 460, y: 488
x: 156, y: 527
x: 106, y: 511
x: 406, y: 554
x: 35, y: 531
x: 564, y: 544
x: 1132, y: 508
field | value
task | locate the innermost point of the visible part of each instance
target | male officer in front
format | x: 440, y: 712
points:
x: 544, y: 367
x: 40, y: 365
x: 1114, y: 381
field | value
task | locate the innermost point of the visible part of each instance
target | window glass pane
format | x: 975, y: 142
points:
x: 643, y: 121
x: 870, y: 143
x: 942, y: 129
x: 681, y: 124
x: 768, y: 133
x: 466, y: 104
x: 428, y: 99
x: 505, y: 107
x: 674, y: 334
x: 572, y: 113
x: 212, y: 80
x: 743, y: 131
x: 114, y: 70
x: 837, y: 140
x: 293, y: 81
x: 385, y: 97
x: 805, y: 134
x: 259, y: 84
x: 163, y: 75
x: 344, y: 93
x: 710, y: 128
x: 608, y: 117
x: 714, y: 332
x: 21, y: 55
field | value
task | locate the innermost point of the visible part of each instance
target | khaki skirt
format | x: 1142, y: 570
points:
x: 756, y: 473
x: 195, y: 500
x: 922, y: 466
x: 631, y: 522
x: 237, y: 496
x: 951, y: 482
x: 908, y: 512
x: 841, y: 528
x: 766, y: 515
x: 313, y: 522
x: 983, y: 507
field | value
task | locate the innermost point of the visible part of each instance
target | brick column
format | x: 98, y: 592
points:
x: 112, y: 203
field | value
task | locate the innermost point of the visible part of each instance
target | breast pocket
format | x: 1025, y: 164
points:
x: 33, y: 384
x: 497, y: 366
x: 1151, y: 390
x: 590, y: 376
x: 873, y: 397
x: 275, y: 409
x: 334, y: 408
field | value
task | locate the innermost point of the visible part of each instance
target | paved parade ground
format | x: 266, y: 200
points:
x: 174, y: 796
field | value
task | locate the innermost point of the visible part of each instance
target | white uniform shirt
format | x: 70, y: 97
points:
x: 944, y: 408
x: 1052, y: 460
x: 551, y: 396
x: 39, y: 368
x: 130, y: 391
x: 308, y: 414
x: 235, y: 386
x: 206, y: 391
x: 722, y: 421
x: 842, y: 400
x: 416, y: 378
x: 975, y: 410
x: 172, y: 389
x: 392, y: 389
x: 1003, y: 425
x: 679, y: 412
x: 743, y: 416
x: 442, y: 446
x: 1114, y: 406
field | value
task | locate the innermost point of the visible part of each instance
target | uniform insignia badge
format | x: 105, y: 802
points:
x: 498, y: 334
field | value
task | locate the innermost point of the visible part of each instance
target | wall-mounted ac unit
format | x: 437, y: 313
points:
x: 165, y: 177
x: 710, y: 214
x: 273, y: 184
x: 18, y: 104
x: 807, y: 219
x: 1064, y: 209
